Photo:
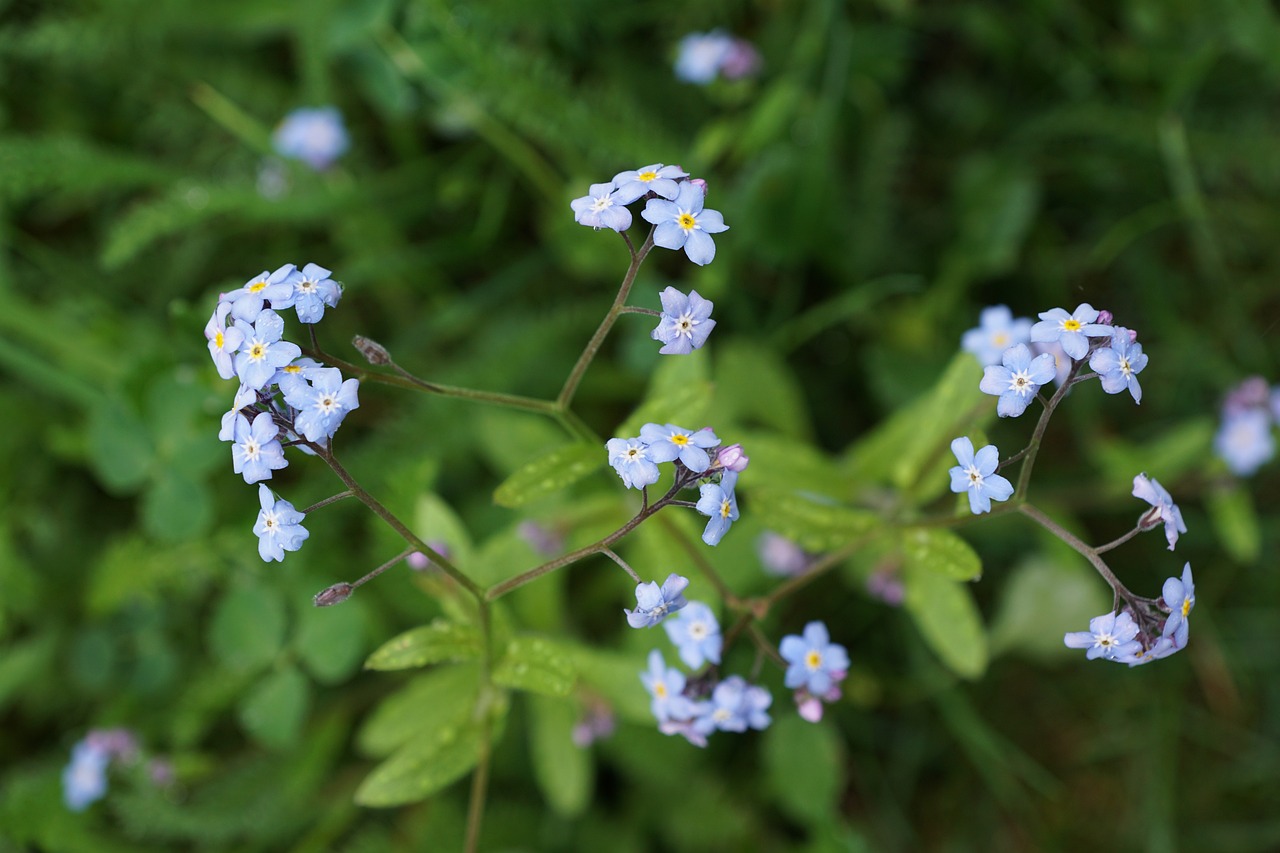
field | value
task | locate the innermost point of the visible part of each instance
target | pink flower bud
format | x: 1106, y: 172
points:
x: 732, y: 458
x: 700, y: 184
x: 810, y: 708
x: 1105, y: 317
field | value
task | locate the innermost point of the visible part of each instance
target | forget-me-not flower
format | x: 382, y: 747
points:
x: 246, y: 396
x: 657, y: 179
x: 666, y: 686
x: 814, y: 662
x: 601, y: 208
x: 263, y: 351
x: 630, y: 458
x: 1180, y: 597
x: 718, y: 502
x: 1109, y: 636
x: 1118, y: 366
x: 670, y: 442
x: 314, y: 135
x: 1071, y: 330
x: 734, y: 707
x: 313, y: 290
x: 278, y: 528
x: 322, y: 403
x: 1244, y: 441
x: 276, y: 287
x: 997, y: 330
x: 84, y: 780
x: 686, y: 322
x: 1165, y: 510
x: 701, y: 56
x: 1017, y: 380
x: 976, y: 474
x: 223, y: 340
x: 696, y: 633
x: 257, y: 450
x: 683, y: 224
x: 653, y: 603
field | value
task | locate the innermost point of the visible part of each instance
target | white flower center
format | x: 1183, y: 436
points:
x: 1020, y: 383
x: 975, y: 476
x: 600, y: 203
x: 1125, y: 368
x: 251, y: 448
x: 698, y: 631
x: 685, y: 324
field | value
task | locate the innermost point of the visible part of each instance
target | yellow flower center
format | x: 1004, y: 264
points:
x: 647, y: 176
x: 1071, y: 324
x: 687, y: 221
x: 660, y: 690
x: 257, y: 351
x: 679, y: 440
x: 218, y: 340
x: 256, y: 286
x: 1000, y: 339
x: 726, y: 509
x: 813, y: 660
x: 1186, y: 606
x: 293, y: 368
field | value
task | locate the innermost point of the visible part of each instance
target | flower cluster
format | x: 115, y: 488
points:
x: 674, y: 206
x: 704, y: 56
x: 285, y: 399
x: 1245, y: 439
x: 84, y: 779
x: 1142, y: 631
x: 636, y: 460
x: 316, y: 136
x: 815, y: 666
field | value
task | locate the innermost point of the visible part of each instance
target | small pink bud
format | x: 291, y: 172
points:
x: 418, y: 561
x: 1133, y: 335
x: 700, y: 184
x: 810, y: 708
x: 1105, y: 317
x: 335, y: 594
x: 732, y: 458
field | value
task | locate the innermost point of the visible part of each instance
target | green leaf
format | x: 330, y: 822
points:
x: 120, y: 447
x: 564, y: 771
x: 614, y: 675
x: 680, y: 392
x: 435, y: 521
x: 442, y: 640
x: 1042, y: 600
x: 804, y: 763
x: 422, y: 767
x: 275, y: 709
x: 248, y: 628
x: 440, y: 698
x: 536, y: 664
x: 814, y: 525
x: 757, y: 387
x: 549, y: 473
x: 330, y: 640
x: 176, y: 507
x: 939, y: 550
x: 1235, y: 520
x: 948, y: 618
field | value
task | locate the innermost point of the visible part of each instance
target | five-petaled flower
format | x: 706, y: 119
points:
x: 657, y: 179
x: 696, y: 634
x: 686, y: 322
x: 666, y: 686
x: 670, y: 442
x: 278, y: 528
x: 263, y: 351
x: 1109, y: 636
x: 653, y: 603
x: 1180, y: 597
x: 1118, y: 366
x: 718, y: 502
x: 314, y: 135
x: 1017, y: 380
x: 1071, y: 330
x: 601, y: 207
x: 257, y: 450
x: 683, y: 224
x: 977, y: 475
x: 813, y: 661
x: 997, y: 330
x: 630, y: 458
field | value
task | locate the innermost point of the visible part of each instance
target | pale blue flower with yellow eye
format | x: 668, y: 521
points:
x: 1109, y: 636
x: 666, y: 686
x: 275, y: 287
x: 322, y: 403
x: 653, y: 603
x: 263, y: 351
x: 601, y: 207
x: 684, y: 224
x: 223, y: 340
x: 1071, y: 330
x: 666, y: 443
x: 728, y: 709
x: 245, y: 397
x: 1180, y: 597
x: 813, y: 661
x: 718, y: 502
x: 313, y: 291
x: 977, y: 475
x: 278, y: 528
x: 1017, y: 380
x: 997, y: 330
x: 1118, y: 366
x: 657, y: 179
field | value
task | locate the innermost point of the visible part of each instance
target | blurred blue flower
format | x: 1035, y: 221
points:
x: 314, y: 135
x: 734, y: 707
x: 1180, y: 597
x: 313, y: 291
x: 657, y: 179
x: 997, y: 330
x: 1109, y: 636
x: 278, y: 528
x: 263, y: 351
x: 686, y: 322
x: 1165, y: 510
x: 257, y: 451
x: 84, y: 780
x: 718, y: 501
x: 653, y: 603
x: 323, y: 403
x: 696, y: 633
x: 1118, y: 366
x: 1017, y: 380
x: 1071, y: 330
x: 701, y: 56
x: 683, y: 224
x: 666, y: 686
x: 601, y: 208
x: 976, y: 474
x: 814, y: 662
x: 1244, y: 441
x: 277, y: 288
x: 630, y: 458
x: 669, y: 442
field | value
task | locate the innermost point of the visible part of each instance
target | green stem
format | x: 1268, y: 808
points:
x: 1077, y: 545
x: 333, y: 500
x: 1102, y: 549
x: 1033, y: 446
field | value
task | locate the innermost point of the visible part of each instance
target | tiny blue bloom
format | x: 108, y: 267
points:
x: 696, y: 633
x: 657, y: 179
x: 313, y: 291
x: 276, y: 287
x: 601, y: 208
x: 1118, y: 366
x: 1109, y: 636
x: 1180, y: 597
x: 997, y: 330
x: 1166, y: 510
x: 278, y: 528
x: 630, y: 458
x: 1017, y: 380
x: 683, y: 224
x: 976, y: 474
x: 672, y: 442
x: 315, y: 136
x: 686, y: 322
x: 1244, y: 441
x: 718, y: 501
x: 1071, y: 330
x: 814, y: 662
x: 245, y: 397
x: 262, y: 351
x: 223, y: 340
x: 322, y: 403
x: 728, y: 709
x: 666, y: 686
x: 654, y: 603
x: 257, y: 451
x: 84, y: 780
x: 701, y: 56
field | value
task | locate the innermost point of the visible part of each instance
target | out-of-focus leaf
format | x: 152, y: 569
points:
x: 563, y: 770
x: 679, y: 393
x: 435, y: 521
x: 813, y: 523
x: 441, y: 640
x: 549, y: 473
x: 330, y: 640
x: 422, y: 767
x: 248, y: 628
x: 274, y: 710
x: 442, y: 697
x: 804, y: 766
x: 939, y: 550
x: 119, y: 445
x: 1235, y: 521
x: 176, y: 507
x: 948, y: 618
x: 536, y: 664
x: 756, y: 386
x: 1042, y: 600
x: 995, y: 202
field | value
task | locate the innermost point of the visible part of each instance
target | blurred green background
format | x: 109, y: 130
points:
x: 893, y: 168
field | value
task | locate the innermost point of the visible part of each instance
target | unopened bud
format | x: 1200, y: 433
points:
x: 1105, y: 317
x: 700, y: 184
x: 732, y: 458
x: 1133, y: 335
x: 335, y: 594
x: 374, y: 352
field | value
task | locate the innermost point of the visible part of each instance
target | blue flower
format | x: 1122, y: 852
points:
x: 733, y: 707
x: 223, y: 341
x: 263, y: 351
x: 84, y: 780
x: 257, y: 451
x: 781, y: 556
x: 683, y: 224
x: 1109, y: 636
x: 245, y: 397
x: 278, y: 528
x: 313, y: 291
x: 701, y: 56
x: 1244, y: 441
x: 976, y: 473
x: 277, y: 288
x: 686, y: 322
x: 672, y: 442
x: 1017, y: 380
x: 1119, y: 365
x: 322, y: 404
x: 1071, y: 330
x: 718, y: 501
x: 814, y: 662
x: 315, y: 136
x: 601, y: 208
x: 657, y: 179
x: 630, y: 458
x: 997, y: 330
x: 1164, y: 510
x: 696, y: 633
x: 291, y: 376
x: 666, y: 686
x: 1180, y: 597
x: 654, y: 603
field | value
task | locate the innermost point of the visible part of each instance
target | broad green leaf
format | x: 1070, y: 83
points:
x: 1043, y: 599
x: 948, y: 618
x: 781, y: 462
x: 804, y: 763
x: 420, y: 768
x: 440, y: 698
x: 1235, y: 520
x: 810, y: 521
x: 275, y: 709
x: 441, y: 640
x: 248, y: 628
x: 330, y: 641
x: 679, y: 393
x: 563, y: 770
x: 940, y: 550
x: 549, y: 473
x: 615, y: 676
x: 756, y: 386
x: 536, y: 664
x: 1166, y: 455
x: 120, y: 447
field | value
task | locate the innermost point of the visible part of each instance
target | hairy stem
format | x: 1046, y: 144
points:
x: 1090, y: 554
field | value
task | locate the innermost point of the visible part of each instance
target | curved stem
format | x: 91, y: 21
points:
x: 1077, y: 545
x: 623, y: 563
x: 1033, y: 446
x: 333, y: 500
x: 1102, y: 549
